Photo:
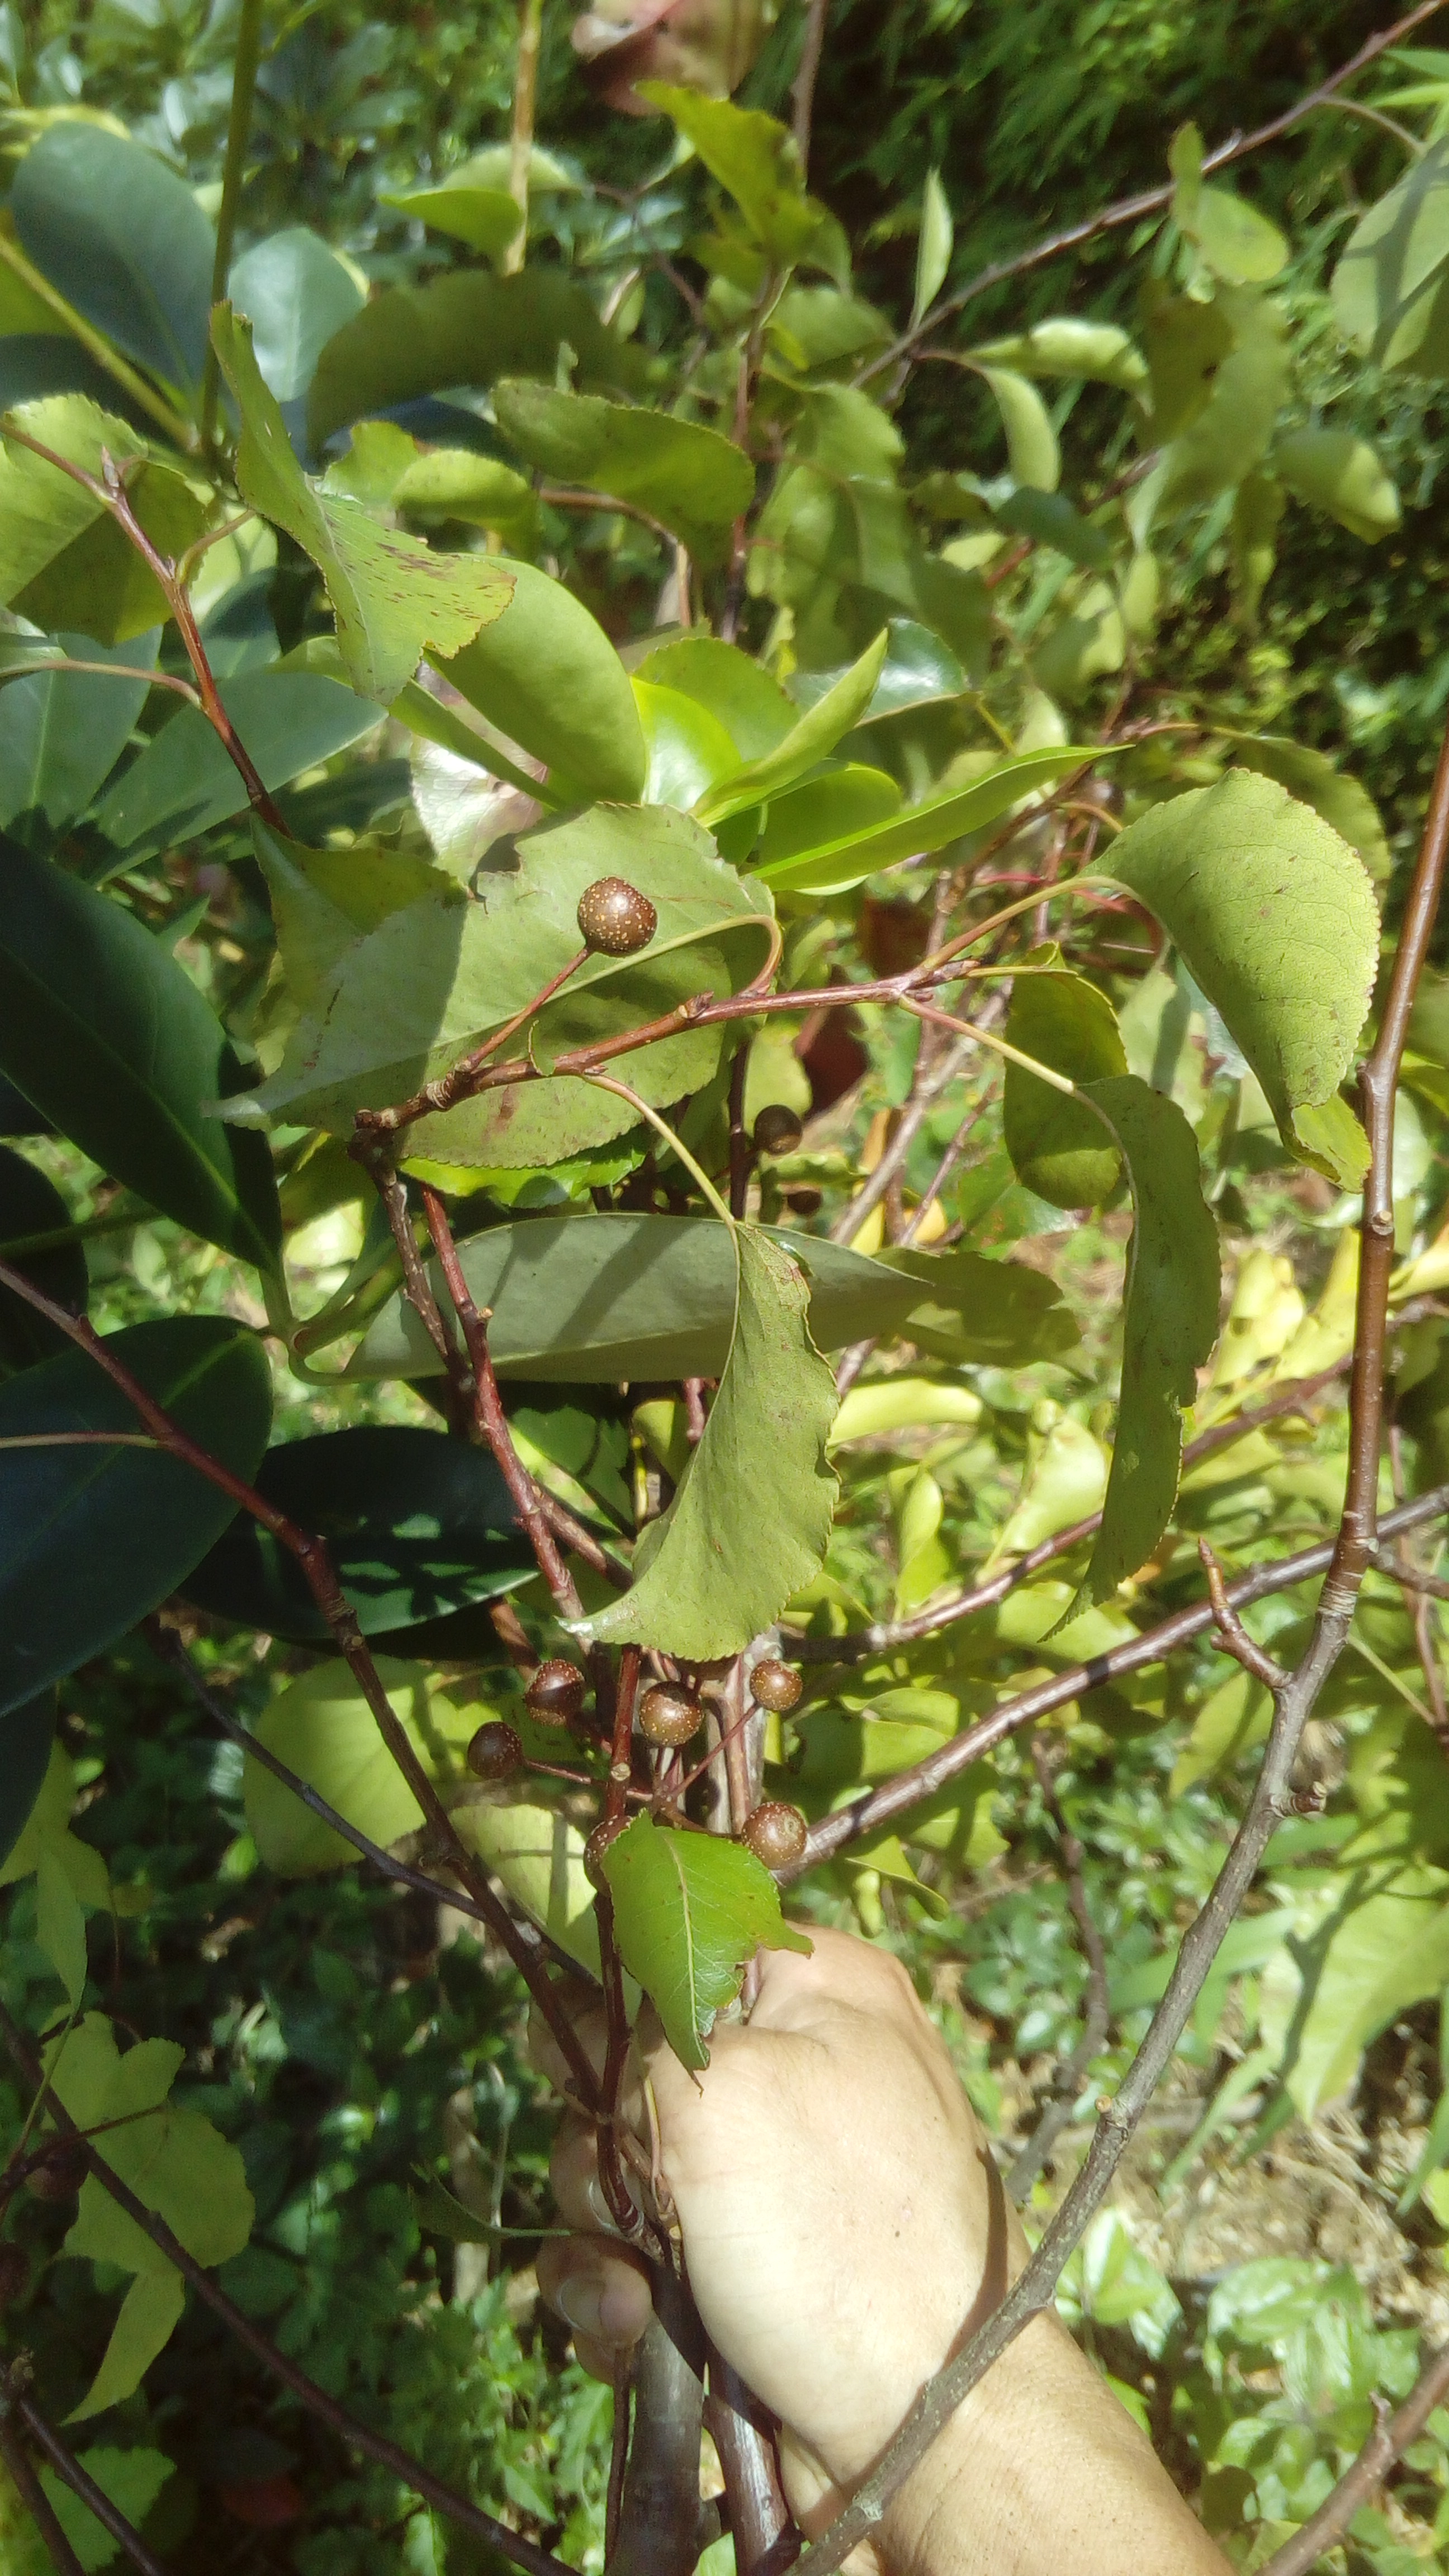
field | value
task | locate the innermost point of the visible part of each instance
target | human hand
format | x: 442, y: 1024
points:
x: 845, y: 2230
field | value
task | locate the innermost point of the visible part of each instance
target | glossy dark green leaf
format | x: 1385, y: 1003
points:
x: 125, y: 241
x: 31, y: 1205
x: 689, y: 1911
x: 918, y: 670
x: 297, y: 294
x: 463, y: 329
x: 185, y: 781
x: 730, y: 685
x: 62, y: 732
x: 391, y: 595
x: 692, y: 480
x: 418, y: 1525
x: 1169, y: 1328
x: 109, y: 1037
x: 26, y: 1736
x: 94, y: 1535
x: 44, y: 361
x: 750, y: 1521
x: 1055, y: 1142
x: 593, y: 1299
x: 485, y: 218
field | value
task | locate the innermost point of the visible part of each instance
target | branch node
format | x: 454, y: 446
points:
x: 1232, y: 1637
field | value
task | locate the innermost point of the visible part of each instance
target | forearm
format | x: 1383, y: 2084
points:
x: 1041, y: 2473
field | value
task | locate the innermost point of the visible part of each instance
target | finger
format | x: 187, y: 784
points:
x: 573, y: 2172
x: 587, y: 2015
x: 598, y: 2290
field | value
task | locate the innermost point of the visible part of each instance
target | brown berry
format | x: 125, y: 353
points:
x: 777, y: 1130
x: 61, y: 2175
x: 615, y: 918
x: 775, y: 1834
x: 776, y: 1686
x: 555, y: 1696
x: 598, y: 1843
x: 494, y: 1751
x: 14, y: 2274
x: 669, y: 1714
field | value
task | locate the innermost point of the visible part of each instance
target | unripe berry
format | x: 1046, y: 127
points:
x: 494, y: 1751
x: 776, y: 1686
x: 14, y: 2274
x: 598, y: 1843
x: 669, y: 1714
x: 61, y: 2175
x: 615, y: 918
x: 555, y: 1695
x: 775, y: 1833
x: 777, y: 1130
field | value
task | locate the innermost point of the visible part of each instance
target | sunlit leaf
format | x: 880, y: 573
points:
x: 690, y: 1911
x: 1056, y: 1144
x: 322, y: 1728
x: 692, y: 480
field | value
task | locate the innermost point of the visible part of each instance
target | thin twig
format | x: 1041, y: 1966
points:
x: 81, y: 2483
x: 1097, y: 2020
x: 1232, y: 1636
x: 358, y: 2436
x: 1386, y: 2444
x: 33, y: 2496
x: 802, y: 93
x: 245, y: 64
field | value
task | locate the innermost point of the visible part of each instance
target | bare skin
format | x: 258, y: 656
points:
x: 844, y: 2230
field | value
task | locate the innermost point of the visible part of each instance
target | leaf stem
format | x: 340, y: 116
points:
x: 32, y: 2494
x: 97, y: 346
x: 525, y: 101
x: 239, y: 125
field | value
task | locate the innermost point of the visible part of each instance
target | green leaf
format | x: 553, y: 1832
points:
x: 466, y: 328
x: 1170, y: 1324
x: 1233, y: 238
x: 810, y: 739
x: 150, y: 2314
x: 933, y: 246
x: 185, y: 782
x: 1314, y: 780
x: 487, y: 219
x: 454, y: 483
x: 323, y: 1729
x: 539, y: 1857
x: 689, y: 749
x: 1031, y: 442
x: 1232, y: 431
x: 690, y: 1911
x: 61, y: 733
x: 322, y: 900
x: 594, y: 1299
x: 27, y: 1734
x: 391, y: 595
x: 135, y: 1519
x: 547, y: 675
x: 435, y: 978
x: 1258, y: 506
x: 1342, y: 475
x: 1390, y: 288
x: 124, y: 240
x: 918, y: 671
x: 750, y: 1521
x: 692, y: 480
x: 1099, y: 352
x: 63, y: 561
x: 827, y: 808
x: 836, y: 865
x: 1276, y: 922
x: 131, y: 2480
x: 1187, y: 342
x: 975, y: 1312
x: 296, y: 293
x: 108, y: 1036
x: 1372, y: 1947
x: 755, y: 159
x: 1055, y: 1142
x: 730, y: 685
x: 417, y: 1524
x: 31, y: 1205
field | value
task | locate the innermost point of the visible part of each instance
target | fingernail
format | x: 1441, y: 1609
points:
x: 580, y: 2300
x: 602, y: 2212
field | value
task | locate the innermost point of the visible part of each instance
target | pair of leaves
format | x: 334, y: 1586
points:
x: 750, y: 1522
x: 111, y: 1040
x: 174, y: 2161
x: 1274, y: 917
x: 436, y: 976
x: 417, y: 1526
x: 690, y: 1910
x: 591, y: 1300
x: 391, y: 595
x: 693, y: 481
x: 134, y: 1519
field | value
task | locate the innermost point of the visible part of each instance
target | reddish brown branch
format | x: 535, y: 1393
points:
x: 1391, y: 2437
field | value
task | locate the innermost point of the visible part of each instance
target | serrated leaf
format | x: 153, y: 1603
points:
x: 1315, y: 780
x: 131, y: 2480
x: 750, y: 1522
x: 810, y: 739
x: 322, y: 1728
x: 1170, y: 1324
x: 110, y: 1038
x: 135, y: 1519
x: 1276, y: 922
x: 1056, y: 1143
x: 392, y: 597
x: 690, y: 1911
x: 692, y: 480
x: 433, y: 979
